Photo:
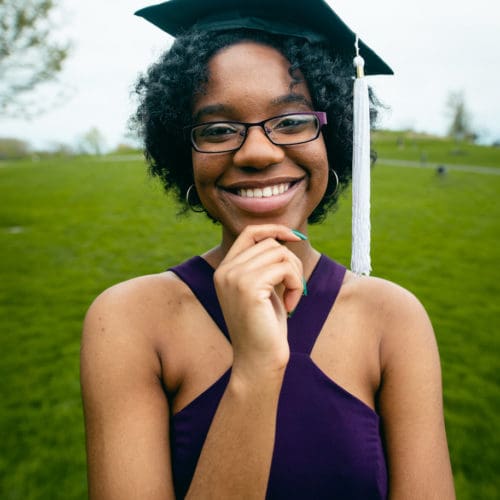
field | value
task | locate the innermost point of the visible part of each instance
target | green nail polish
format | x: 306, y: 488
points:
x: 291, y: 313
x: 304, y: 287
x: 303, y: 237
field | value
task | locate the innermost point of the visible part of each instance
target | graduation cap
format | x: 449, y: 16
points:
x: 314, y: 21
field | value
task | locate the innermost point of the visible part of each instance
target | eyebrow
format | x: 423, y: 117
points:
x: 213, y: 109
x: 292, y: 99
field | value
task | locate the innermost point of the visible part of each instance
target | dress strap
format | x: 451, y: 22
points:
x: 198, y: 275
x: 308, y: 319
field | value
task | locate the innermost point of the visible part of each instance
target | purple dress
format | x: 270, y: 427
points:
x: 328, y: 443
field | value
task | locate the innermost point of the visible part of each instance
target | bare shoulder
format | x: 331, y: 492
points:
x: 136, y: 306
x: 383, y: 297
x: 153, y: 289
x: 130, y: 323
x: 394, y: 313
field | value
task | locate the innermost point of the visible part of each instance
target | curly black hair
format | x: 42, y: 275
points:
x: 166, y: 93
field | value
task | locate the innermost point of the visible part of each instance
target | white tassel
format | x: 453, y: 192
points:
x: 360, y: 257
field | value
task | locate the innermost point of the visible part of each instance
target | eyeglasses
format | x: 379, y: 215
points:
x: 282, y: 130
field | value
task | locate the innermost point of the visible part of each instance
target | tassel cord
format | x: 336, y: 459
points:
x: 360, y: 258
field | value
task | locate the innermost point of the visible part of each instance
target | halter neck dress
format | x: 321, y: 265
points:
x: 328, y: 443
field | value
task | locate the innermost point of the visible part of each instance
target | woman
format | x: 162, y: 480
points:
x: 260, y: 369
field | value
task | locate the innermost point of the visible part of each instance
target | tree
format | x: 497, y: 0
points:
x: 12, y: 148
x: 28, y: 54
x: 460, y: 125
x: 92, y: 142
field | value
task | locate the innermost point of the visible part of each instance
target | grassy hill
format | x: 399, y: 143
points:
x: 429, y: 150
x: 70, y: 228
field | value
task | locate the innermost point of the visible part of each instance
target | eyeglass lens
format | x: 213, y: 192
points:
x: 281, y: 130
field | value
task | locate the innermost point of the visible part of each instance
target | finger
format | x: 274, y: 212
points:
x: 282, y: 274
x: 291, y: 299
x: 261, y: 253
x: 254, y: 260
x: 252, y: 235
x: 290, y: 291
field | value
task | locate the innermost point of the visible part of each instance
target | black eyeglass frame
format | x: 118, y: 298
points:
x: 320, y: 116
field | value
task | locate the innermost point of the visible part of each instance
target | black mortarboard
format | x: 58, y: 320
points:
x: 310, y: 19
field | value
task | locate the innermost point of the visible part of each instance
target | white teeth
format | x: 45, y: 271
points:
x: 266, y: 192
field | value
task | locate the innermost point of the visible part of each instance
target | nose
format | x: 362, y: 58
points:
x: 258, y: 151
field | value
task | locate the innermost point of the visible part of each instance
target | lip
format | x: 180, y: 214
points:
x: 264, y: 204
x: 260, y: 183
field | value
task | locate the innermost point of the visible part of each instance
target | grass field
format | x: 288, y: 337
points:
x: 69, y: 229
x: 427, y: 149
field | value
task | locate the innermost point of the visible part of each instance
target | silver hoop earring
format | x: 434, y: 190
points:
x: 192, y: 207
x: 337, y: 182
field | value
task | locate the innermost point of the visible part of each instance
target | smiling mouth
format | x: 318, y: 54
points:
x: 264, y: 192
x: 263, y: 197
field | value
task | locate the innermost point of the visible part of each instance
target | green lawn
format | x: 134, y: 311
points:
x: 69, y: 229
x: 424, y: 149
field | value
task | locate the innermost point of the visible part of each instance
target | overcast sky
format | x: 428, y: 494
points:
x: 434, y: 46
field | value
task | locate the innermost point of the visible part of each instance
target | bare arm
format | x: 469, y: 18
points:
x: 411, y: 403
x: 126, y: 411
x: 258, y: 283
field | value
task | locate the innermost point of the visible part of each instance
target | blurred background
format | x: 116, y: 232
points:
x: 78, y: 212
x: 441, y: 52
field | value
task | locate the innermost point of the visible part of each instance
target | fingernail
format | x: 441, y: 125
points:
x: 299, y: 234
x: 291, y: 313
x: 304, y: 287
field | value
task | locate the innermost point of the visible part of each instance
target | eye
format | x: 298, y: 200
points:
x: 293, y: 124
x: 216, y: 132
